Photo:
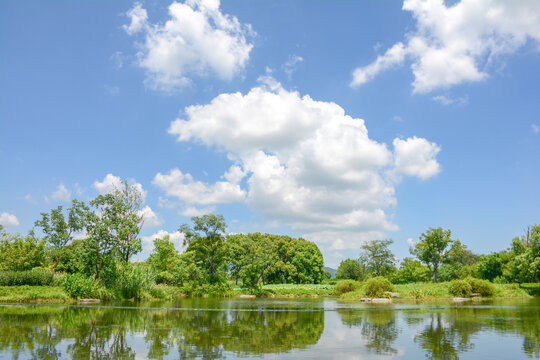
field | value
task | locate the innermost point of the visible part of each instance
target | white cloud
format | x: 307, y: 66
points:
x: 291, y: 64
x: 457, y: 44
x: 30, y: 199
x: 176, y: 238
x: 411, y: 242
x: 416, y: 157
x: 196, y: 40
x: 392, y: 57
x: 111, y: 182
x: 186, y: 189
x: 303, y: 163
x: 445, y: 100
x: 61, y: 194
x: 535, y: 128
x: 150, y: 218
x: 8, y: 220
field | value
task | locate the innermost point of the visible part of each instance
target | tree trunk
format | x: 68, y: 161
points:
x: 434, y: 275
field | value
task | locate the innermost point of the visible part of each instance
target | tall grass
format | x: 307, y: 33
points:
x: 34, y: 277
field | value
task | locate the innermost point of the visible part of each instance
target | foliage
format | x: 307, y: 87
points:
x: 115, y: 225
x: 34, y: 277
x: 378, y: 286
x: 18, y: 253
x: 350, y: 269
x: 490, y: 266
x: 133, y: 280
x: 482, y: 287
x: 206, y: 240
x: 377, y: 257
x: 165, y: 261
x: 460, y: 288
x: 58, y: 231
x: 299, y: 289
x: 344, y: 286
x: 78, y: 286
x: 410, y: 271
x: 435, y: 247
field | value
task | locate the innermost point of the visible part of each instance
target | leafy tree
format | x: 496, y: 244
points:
x: 58, y: 231
x: 435, y: 247
x: 411, y: 271
x: 308, y: 261
x: 378, y: 258
x: 118, y: 220
x: 207, y: 242
x: 490, y: 266
x: 165, y: 260
x: 18, y: 253
x: 350, y: 269
x: 282, y: 270
x: 524, y: 265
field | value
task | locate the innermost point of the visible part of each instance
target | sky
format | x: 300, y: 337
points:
x: 337, y: 121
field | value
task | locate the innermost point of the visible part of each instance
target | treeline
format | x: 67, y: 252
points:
x: 93, y: 244
x: 437, y: 257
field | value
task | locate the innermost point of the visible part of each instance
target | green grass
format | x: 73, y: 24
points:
x: 299, y: 289
x: 29, y: 294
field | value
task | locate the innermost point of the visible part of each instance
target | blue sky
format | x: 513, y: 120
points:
x: 338, y: 121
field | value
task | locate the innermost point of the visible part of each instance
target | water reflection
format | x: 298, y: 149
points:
x: 108, y: 333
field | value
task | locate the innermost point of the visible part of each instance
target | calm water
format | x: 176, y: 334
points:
x: 271, y: 329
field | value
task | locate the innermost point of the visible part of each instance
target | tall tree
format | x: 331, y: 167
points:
x: 58, y: 231
x: 206, y: 239
x: 350, y: 269
x: 435, y: 247
x: 118, y: 221
x: 377, y: 257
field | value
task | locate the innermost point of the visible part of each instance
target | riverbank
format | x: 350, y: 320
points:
x: 425, y: 292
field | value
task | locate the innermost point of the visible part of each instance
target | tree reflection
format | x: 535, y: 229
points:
x: 378, y: 329
x: 101, y: 333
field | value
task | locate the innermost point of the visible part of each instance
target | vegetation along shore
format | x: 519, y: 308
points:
x: 85, y: 251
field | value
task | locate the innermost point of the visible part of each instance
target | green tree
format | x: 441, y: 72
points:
x: 435, y: 247
x: 411, y: 271
x: 207, y: 242
x: 59, y: 231
x: 117, y: 222
x: 350, y: 269
x: 490, y: 266
x: 18, y: 253
x: 378, y: 258
x: 165, y: 260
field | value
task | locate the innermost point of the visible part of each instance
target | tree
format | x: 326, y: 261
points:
x: 350, y: 269
x: 411, y: 271
x: 435, y: 247
x: 18, y: 253
x: 207, y: 242
x: 59, y: 232
x: 490, y: 266
x: 117, y: 223
x: 377, y: 257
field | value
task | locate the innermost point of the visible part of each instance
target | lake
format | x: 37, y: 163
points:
x: 272, y: 329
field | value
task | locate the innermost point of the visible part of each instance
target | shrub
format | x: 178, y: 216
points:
x: 460, y: 288
x: 345, y: 286
x: 132, y: 279
x: 482, y: 287
x: 78, y: 286
x: 377, y: 286
x: 34, y: 277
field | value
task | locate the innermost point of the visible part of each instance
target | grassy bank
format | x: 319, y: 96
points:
x: 429, y: 291
x: 424, y: 292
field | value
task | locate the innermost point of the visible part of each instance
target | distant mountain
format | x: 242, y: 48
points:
x: 331, y: 271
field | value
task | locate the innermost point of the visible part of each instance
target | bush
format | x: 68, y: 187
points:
x: 78, y: 286
x: 378, y: 286
x: 345, y: 286
x: 34, y: 277
x: 482, y: 287
x: 460, y: 288
x: 132, y: 279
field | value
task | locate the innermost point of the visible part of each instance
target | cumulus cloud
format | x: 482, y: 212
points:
x: 111, y: 182
x: 299, y: 162
x: 535, y: 128
x: 8, y: 220
x: 150, y: 218
x: 456, y: 44
x: 291, y: 65
x: 177, y: 238
x: 61, y: 194
x: 416, y: 157
x: 446, y: 100
x: 198, y: 39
